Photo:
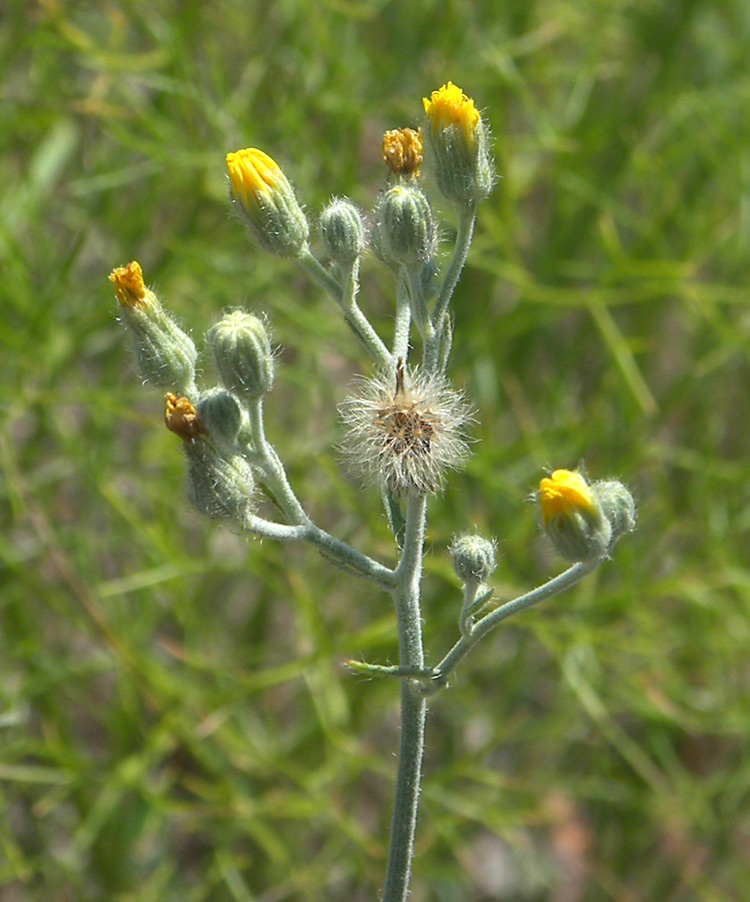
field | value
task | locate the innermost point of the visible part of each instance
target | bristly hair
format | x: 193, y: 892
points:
x: 405, y: 433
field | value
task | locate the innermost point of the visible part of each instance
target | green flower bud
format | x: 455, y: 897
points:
x: 342, y: 231
x: 219, y: 486
x: 166, y: 355
x: 221, y: 413
x: 266, y: 201
x: 460, y: 142
x: 474, y: 558
x: 242, y: 352
x: 405, y: 230
x: 617, y: 505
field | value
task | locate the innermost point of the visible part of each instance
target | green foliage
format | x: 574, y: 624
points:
x: 174, y: 720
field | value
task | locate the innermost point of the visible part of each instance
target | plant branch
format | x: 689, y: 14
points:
x: 480, y: 629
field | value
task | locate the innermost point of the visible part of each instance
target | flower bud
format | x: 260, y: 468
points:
x: 266, y: 201
x: 222, y: 415
x: 617, y: 506
x: 166, y: 355
x: 220, y: 486
x: 572, y: 516
x: 460, y: 141
x: 405, y: 230
x: 474, y: 558
x: 342, y: 231
x: 242, y: 352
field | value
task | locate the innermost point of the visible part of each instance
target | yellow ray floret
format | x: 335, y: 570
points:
x: 449, y: 106
x: 252, y: 172
x: 566, y: 492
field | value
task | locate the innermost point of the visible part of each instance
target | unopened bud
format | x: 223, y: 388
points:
x: 342, y: 231
x: 405, y: 230
x: 266, y: 201
x: 220, y: 486
x: 166, y: 354
x: 242, y: 352
x: 222, y: 414
x: 460, y: 141
x: 474, y: 558
x: 617, y: 506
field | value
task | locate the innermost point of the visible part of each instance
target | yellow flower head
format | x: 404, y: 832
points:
x: 402, y: 151
x: 565, y: 493
x: 252, y: 172
x: 129, y: 287
x: 266, y: 201
x: 451, y: 107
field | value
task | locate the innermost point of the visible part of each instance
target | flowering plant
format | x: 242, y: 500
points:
x: 405, y: 425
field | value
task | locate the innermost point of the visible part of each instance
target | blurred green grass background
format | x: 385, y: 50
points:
x: 175, y: 723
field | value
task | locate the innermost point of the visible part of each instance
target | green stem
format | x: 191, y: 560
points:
x: 346, y: 297
x: 334, y: 549
x: 480, y: 629
x: 402, y: 326
x: 266, y: 458
x: 467, y: 217
x: 413, y: 706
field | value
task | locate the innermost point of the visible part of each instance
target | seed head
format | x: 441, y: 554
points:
x: 404, y: 434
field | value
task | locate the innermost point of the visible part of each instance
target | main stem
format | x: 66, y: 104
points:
x: 413, y: 706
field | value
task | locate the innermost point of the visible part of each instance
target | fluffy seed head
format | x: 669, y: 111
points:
x: 404, y: 433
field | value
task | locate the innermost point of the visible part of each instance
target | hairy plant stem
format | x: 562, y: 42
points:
x: 467, y: 217
x: 413, y: 706
x: 479, y: 630
x: 345, y: 295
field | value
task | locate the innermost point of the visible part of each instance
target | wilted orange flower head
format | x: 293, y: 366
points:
x: 129, y: 287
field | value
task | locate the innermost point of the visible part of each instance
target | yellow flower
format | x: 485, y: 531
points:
x: 402, y: 151
x: 449, y: 106
x: 252, y: 172
x: 566, y: 492
x: 267, y: 202
x: 129, y: 287
x: 459, y: 140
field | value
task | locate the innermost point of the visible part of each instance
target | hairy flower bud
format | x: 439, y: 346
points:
x: 220, y: 486
x: 166, y: 355
x: 405, y: 230
x: 242, y: 352
x: 584, y: 519
x: 617, y: 505
x: 266, y: 201
x: 222, y: 414
x: 460, y: 141
x: 342, y: 231
x: 474, y: 558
